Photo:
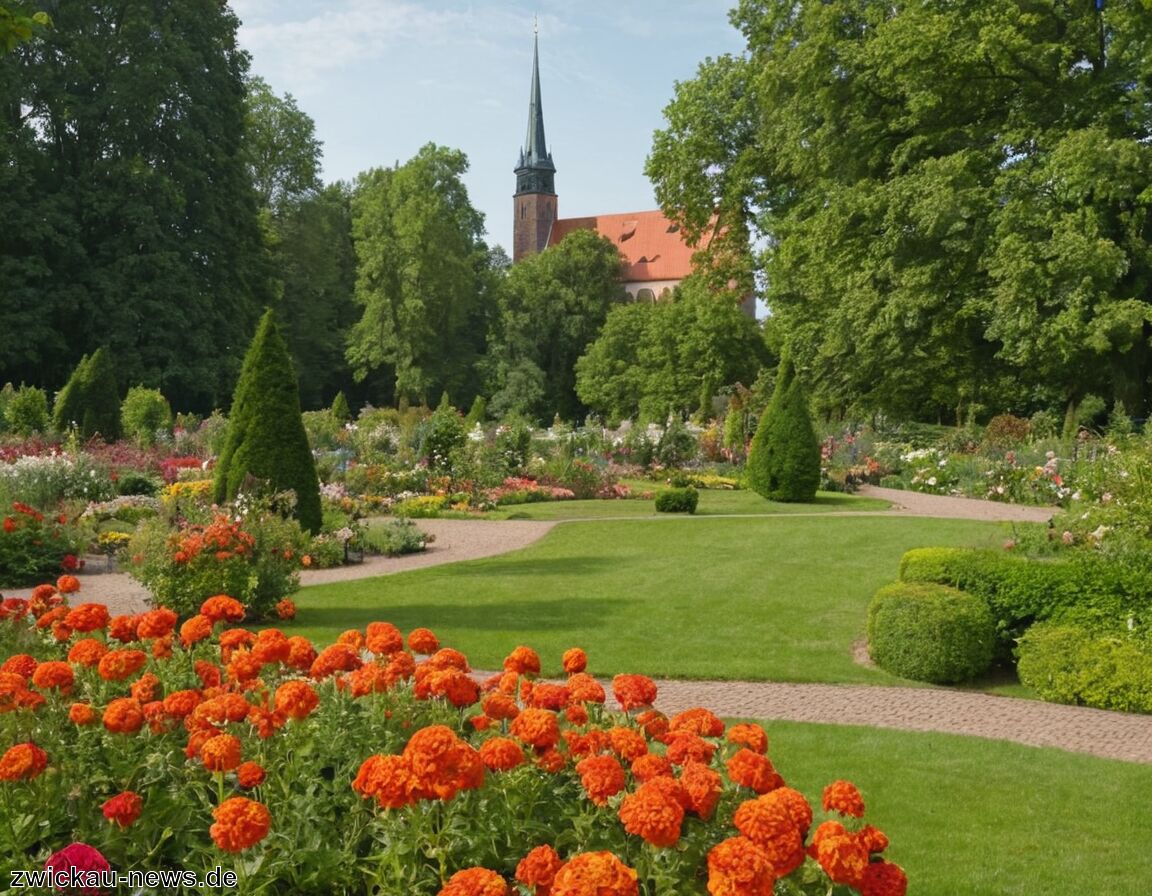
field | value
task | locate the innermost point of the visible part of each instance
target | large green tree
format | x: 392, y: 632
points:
x: 280, y: 146
x: 953, y: 197
x: 552, y: 306
x: 423, y: 272
x: 652, y: 360
x: 18, y: 24
x: 129, y: 214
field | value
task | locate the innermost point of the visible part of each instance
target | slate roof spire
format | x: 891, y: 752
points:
x: 535, y: 170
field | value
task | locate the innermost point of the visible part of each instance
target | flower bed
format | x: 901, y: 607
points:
x: 380, y: 764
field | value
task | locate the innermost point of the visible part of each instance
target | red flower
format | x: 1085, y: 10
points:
x: 634, y: 691
x: 844, y: 798
x: 240, y: 823
x: 123, y: 809
x: 80, y: 856
x: 250, y: 774
x: 68, y: 584
x: 22, y: 762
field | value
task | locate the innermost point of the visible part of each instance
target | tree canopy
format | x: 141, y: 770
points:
x: 952, y: 198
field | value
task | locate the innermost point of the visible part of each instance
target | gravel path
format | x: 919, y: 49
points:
x: 1097, y: 732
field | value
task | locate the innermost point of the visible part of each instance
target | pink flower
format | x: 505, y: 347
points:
x: 80, y: 862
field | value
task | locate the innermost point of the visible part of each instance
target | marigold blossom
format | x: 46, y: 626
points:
x: 738, y: 867
x: 22, y: 762
x: 386, y: 778
x: 844, y: 798
x: 475, y: 882
x: 124, y: 716
x: 602, y: 777
x: 250, y: 774
x: 54, y: 675
x: 883, y: 879
x: 87, y: 617
x: 595, y: 874
x: 538, y: 868
x: 753, y: 770
x: 240, y: 824
x: 222, y: 608
x: 123, y: 809
x: 702, y: 786
x: 117, y: 665
x: 749, y: 735
x: 655, y: 811
x: 423, y: 641
x: 221, y: 753
x: 634, y: 691
x: 296, y: 699
x: 500, y: 754
x: 574, y: 660
x: 523, y: 661
x: 536, y: 727
x: 81, y: 714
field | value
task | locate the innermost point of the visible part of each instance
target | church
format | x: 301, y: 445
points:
x: 656, y: 258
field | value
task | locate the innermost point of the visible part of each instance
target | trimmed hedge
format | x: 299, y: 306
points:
x: 677, y: 500
x: 930, y: 632
x: 1072, y: 664
x: 784, y: 460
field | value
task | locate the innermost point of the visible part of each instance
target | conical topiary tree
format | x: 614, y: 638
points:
x: 90, y: 400
x: 784, y: 460
x: 266, y: 438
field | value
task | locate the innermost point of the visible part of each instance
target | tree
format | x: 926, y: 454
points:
x: 144, y: 414
x: 952, y: 196
x: 18, y: 25
x: 129, y: 215
x: 266, y: 440
x: 90, y: 400
x: 422, y: 276
x: 652, y: 360
x: 280, y: 146
x: 784, y: 460
x: 552, y: 306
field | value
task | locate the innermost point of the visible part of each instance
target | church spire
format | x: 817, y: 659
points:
x: 535, y: 171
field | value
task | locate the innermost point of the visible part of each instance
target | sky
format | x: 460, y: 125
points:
x: 381, y: 78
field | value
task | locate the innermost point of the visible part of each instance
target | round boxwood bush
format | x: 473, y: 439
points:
x: 677, y: 500
x: 930, y: 632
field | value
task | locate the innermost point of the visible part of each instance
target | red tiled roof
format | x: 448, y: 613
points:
x: 651, y: 244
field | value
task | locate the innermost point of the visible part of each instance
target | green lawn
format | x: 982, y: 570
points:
x: 713, y: 502
x: 781, y: 598
x: 974, y: 817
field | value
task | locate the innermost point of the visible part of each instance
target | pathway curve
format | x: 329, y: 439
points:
x: 1110, y: 735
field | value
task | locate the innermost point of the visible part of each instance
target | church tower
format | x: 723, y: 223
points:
x: 535, y: 199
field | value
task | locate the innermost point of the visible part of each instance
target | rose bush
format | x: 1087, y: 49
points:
x: 380, y: 764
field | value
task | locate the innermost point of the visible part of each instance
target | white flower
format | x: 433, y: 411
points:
x: 931, y: 480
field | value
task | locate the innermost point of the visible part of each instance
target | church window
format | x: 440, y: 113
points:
x: 645, y: 295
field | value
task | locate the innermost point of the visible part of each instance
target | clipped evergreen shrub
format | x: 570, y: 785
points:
x: 266, y: 441
x: 677, y: 500
x: 340, y: 409
x: 930, y: 633
x: 1073, y: 664
x: 26, y: 412
x: 144, y: 415
x: 90, y: 400
x: 784, y: 460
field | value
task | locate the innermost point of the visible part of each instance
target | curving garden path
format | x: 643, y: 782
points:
x: 1100, y: 733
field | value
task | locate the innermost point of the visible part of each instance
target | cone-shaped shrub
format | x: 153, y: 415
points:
x: 266, y: 438
x: 90, y: 400
x: 784, y: 460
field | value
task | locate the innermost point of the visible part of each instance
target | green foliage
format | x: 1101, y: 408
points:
x: 33, y: 546
x: 677, y: 500
x: 930, y: 633
x: 422, y: 276
x: 340, y: 410
x: 1074, y: 664
x: 784, y: 460
x: 444, y: 435
x: 478, y: 413
x: 280, y: 146
x: 26, y: 412
x: 394, y: 538
x: 17, y: 26
x: 266, y: 440
x: 48, y: 480
x: 145, y: 415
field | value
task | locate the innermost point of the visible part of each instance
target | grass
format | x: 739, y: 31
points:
x: 974, y: 817
x: 713, y: 502
x: 766, y: 598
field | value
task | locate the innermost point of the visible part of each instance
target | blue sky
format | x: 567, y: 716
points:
x: 383, y: 77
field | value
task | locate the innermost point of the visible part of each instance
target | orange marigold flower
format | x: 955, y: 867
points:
x: 595, y: 874
x: 449, y: 658
x: 81, y: 714
x: 883, y: 879
x: 499, y: 706
x: 421, y: 640
x: 442, y: 763
x: 117, y: 665
x: 371, y: 678
x: 67, y: 584
x: 54, y: 675
x: 702, y: 787
x: 271, y: 646
x: 123, y: 628
x: 551, y: 761
x: 240, y: 823
x: 651, y: 765
x: 250, y: 774
x: 61, y: 632
x: 699, y: 721
x: 475, y: 882
x: 49, y: 619
x: 335, y: 658
x: 602, y: 777
x: 244, y: 666
x: 296, y: 699
x: 653, y: 723
x: 689, y: 748
x: 588, y: 743
x: 753, y: 770
x: 221, y: 753
x: 13, y: 608
x: 634, y: 691
x: 574, y: 660
x: 123, y: 809
x: 352, y: 638
x: 796, y: 804
x: 627, y: 743
x: 87, y: 617
x: 266, y: 723
x: 547, y: 695
x: 286, y: 609
x: 145, y: 687
x: 218, y: 710
x: 209, y: 673
x: 459, y: 688
x: 844, y: 798
x: 577, y: 714
x: 872, y: 839
x: 22, y: 762
x: 538, y: 869
x: 123, y: 716
x: 221, y: 608
x: 523, y: 661
x: 21, y: 664
x: 162, y: 647
x: 301, y: 653
x: 843, y: 858
x: 537, y: 727
x: 738, y: 867
x: 655, y: 811
x: 501, y: 754
x: 386, y: 778
x: 156, y: 623
x: 180, y: 704
x: 234, y: 639
x: 195, y: 629
x: 762, y: 819
x: 383, y: 638
x: 749, y: 735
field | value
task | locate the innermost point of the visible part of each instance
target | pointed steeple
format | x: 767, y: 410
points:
x: 535, y: 172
